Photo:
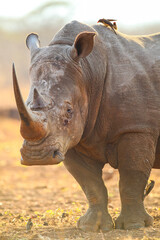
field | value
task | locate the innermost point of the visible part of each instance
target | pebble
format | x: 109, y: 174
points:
x: 45, y: 224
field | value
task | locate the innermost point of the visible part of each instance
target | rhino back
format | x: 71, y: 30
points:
x: 132, y: 87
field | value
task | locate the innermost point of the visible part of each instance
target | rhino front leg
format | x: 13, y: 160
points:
x: 136, y: 153
x: 89, y: 175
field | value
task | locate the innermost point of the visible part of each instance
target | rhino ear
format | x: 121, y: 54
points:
x: 83, y: 45
x: 32, y: 42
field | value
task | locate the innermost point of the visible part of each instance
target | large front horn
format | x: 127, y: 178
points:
x: 31, y: 128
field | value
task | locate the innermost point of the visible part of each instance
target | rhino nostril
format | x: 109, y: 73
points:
x: 58, y: 154
x: 55, y: 153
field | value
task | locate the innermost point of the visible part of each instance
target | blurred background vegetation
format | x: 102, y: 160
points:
x: 46, y: 20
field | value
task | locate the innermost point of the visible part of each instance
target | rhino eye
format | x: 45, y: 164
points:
x: 69, y: 110
x: 68, y: 116
x: 69, y: 113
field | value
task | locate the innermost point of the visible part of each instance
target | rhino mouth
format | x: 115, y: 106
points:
x: 40, y: 154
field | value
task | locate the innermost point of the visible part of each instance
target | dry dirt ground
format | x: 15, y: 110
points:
x: 53, y: 199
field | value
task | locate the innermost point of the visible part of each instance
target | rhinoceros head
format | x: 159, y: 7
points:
x: 54, y: 115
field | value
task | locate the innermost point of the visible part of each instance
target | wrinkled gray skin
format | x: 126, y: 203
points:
x: 101, y: 104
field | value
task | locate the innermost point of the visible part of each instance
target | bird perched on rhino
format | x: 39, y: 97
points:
x: 115, y: 25
x: 108, y: 22
x: 149, y: 188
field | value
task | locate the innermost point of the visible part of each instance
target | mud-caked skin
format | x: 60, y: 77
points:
x: 95, y: 99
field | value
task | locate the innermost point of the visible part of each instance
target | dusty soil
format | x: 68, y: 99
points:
x: 53, y: 199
